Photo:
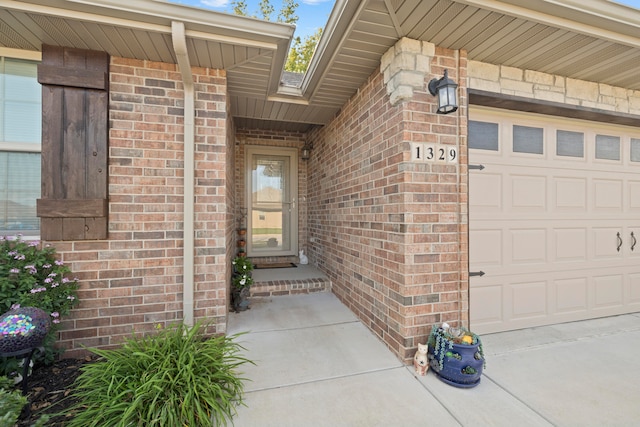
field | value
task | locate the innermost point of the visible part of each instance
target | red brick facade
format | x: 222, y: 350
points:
x: 391, y: 233
x: 134, y: 280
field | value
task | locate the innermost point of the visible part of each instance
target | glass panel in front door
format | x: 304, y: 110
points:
x: 272, y: 206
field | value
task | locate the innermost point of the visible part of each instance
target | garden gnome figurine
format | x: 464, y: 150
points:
x: 303, y: 258
x: 420, y: 361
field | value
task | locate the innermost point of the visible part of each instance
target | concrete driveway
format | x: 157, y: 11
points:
x: 318, y: 365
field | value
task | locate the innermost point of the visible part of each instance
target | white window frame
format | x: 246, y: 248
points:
x: 22, y: 147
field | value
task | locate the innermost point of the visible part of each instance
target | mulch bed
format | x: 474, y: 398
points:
x: 50, y: 390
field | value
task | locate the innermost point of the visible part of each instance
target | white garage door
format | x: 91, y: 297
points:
x: 554, y: 217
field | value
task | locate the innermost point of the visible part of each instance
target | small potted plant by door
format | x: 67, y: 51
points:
x: 241, y: 281
x: 456, y: 356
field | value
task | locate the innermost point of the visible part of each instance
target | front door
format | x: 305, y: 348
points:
x: 272, y: 193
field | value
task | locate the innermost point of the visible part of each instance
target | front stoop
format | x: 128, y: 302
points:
x: 290, y: 287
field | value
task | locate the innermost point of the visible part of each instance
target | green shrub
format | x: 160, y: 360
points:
x: 11, y: 403
x: 242, y: 268
x: 32, y: 276
x: 176, y: 377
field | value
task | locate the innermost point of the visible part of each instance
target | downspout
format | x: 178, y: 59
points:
x: 180, y: 48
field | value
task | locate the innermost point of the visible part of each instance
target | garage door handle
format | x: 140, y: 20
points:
x: 619, y: 241
x: 476, y: 273
x: 633, y: 245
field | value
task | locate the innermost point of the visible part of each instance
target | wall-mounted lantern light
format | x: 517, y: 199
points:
x: 306, y: 151
x: 445, y: 89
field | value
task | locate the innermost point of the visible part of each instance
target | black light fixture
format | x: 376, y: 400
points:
x: 445, y: 89
x: 306, y: 151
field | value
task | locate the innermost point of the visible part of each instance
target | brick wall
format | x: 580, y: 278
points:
x: 133, y: 280
x: 390, y: 233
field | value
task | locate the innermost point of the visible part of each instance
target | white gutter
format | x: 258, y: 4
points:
x: 180, y: 48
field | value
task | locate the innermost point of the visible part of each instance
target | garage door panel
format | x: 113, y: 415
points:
x: 631, y: 242
x: 544, y: 224
x: 606, y: 243
x: 529, y: 192
x: 570, y: 194
x: 528, y: 246
x: 571, y: 295
x: 607, y: 194
x: 529, y: 300
x: 608, y: 291
x: 486, y: 302
x: 486, y: 254
x: 570, y: 244
x: 485, y: 192
x: 634, y: 288
x: 634, y: 196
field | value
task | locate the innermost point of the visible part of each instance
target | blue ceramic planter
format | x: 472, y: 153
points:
x: 459, y: 365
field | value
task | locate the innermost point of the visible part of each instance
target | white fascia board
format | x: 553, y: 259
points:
x: 342, y: 19
x: 153, y: 15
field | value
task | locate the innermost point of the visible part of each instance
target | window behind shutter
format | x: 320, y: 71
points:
x: 75, y: 104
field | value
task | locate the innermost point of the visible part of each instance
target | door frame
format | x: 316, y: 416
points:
x: 292, y: 153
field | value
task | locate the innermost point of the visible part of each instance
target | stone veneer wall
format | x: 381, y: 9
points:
x: 133, y: 281
x: 548, y: 87
x: 390, y: 233
x: 265, y: 138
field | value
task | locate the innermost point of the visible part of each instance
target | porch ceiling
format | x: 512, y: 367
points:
x: 593, y: 40
x: 252, y: 51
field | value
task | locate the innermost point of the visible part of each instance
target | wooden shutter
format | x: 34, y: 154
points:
x: 75, y: 108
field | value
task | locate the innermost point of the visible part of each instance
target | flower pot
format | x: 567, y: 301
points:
x: 457, y: 364
x: 242, y: 243
x: 239, y: 299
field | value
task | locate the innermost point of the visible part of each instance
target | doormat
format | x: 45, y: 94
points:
x: 276, y: 265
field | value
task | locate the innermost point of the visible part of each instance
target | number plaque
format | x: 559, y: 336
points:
x: 436, y: 153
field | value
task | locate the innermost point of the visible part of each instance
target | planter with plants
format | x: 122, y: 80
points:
x: 177, y: 376
x: 241, y: 282
x: 456, y: 356
x: 31, y: 276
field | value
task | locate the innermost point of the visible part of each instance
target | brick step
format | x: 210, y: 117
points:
x: 290, y: 287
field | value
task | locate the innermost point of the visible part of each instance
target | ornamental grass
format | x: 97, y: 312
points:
x: 175, y: 377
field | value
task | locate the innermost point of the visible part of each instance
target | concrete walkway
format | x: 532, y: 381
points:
x: 317, y: 365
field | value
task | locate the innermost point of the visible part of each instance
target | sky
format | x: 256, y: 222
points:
x: 313, y: 14
x: 632, y: 3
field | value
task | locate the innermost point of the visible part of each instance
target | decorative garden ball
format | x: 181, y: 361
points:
x: 23, y: 328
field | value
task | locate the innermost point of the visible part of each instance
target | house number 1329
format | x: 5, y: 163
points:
x: 433, y: 153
